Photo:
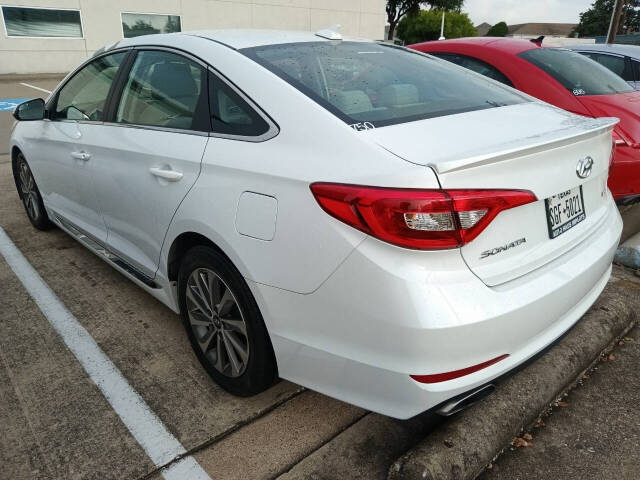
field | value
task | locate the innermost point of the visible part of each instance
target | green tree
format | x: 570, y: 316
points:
x: 498, y: 30
x: 173, y: 24
x: 398, y: 9
x: 139, y: 28
x: 425, y: 25
x: 595, y: 21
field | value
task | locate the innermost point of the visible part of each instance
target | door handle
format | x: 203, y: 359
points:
x: 81, y: 155
x: 170, y: 175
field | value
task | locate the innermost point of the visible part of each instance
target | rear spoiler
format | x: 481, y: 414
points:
x: 579, y: 129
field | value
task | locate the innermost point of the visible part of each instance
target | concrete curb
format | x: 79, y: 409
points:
x: 628, y: 254
x: 462, y: 447
x: 630, y: 221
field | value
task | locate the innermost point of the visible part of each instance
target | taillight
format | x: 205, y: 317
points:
x: 618, y: 140
x: 417, y: 219
x: 613, y: 151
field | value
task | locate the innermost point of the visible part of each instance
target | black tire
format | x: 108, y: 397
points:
x: 30, y: 195
x: 259, y: 371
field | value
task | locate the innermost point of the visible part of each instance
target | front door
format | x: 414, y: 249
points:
x: 62, y: 158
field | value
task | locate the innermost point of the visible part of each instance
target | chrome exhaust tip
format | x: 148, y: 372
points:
x: 465, y: 400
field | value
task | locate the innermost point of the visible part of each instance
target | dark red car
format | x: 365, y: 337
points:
x: 562, y: 78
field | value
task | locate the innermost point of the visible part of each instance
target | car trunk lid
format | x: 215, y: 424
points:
x: 532, y: 147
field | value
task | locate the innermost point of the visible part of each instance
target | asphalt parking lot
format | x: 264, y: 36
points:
x: 58, y: 423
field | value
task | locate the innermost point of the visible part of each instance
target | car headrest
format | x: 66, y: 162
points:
x: 398, y: 94
x: 173, y: 79
x: 352, y: 101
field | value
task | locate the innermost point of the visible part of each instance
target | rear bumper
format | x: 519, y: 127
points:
x: 624, y: 179
x: 388, y: 313
x: 630, y: 200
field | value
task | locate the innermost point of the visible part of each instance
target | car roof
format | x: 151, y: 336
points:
x: 622, y: 49
x: 233, y: 38
x: 502, y: 44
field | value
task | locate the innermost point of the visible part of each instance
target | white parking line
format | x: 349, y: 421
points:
x: 37, y: 88
x: 144, y: 425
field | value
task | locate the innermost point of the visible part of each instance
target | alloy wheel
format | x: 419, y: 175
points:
x: 29, y: 191
x: 217, y: 322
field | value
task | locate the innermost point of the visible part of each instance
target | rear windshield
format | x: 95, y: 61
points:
x: 369, y: 84
x: 577, y: 73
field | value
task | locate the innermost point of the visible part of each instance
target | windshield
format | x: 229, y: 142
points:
x: 577, y: 73
x: 373, y: 85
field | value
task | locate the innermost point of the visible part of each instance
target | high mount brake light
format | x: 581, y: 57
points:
x: 417, y: 219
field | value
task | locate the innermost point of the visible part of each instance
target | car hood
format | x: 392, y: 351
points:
x: 476, y: 138
x: 625, y: 106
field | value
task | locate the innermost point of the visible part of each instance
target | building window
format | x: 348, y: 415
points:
x: 136, y: 24
x: 41, y: 22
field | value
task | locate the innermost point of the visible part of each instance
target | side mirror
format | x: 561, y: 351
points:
x: 30, y: 110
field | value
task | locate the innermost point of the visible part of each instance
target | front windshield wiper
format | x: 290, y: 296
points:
x: 493, y: 103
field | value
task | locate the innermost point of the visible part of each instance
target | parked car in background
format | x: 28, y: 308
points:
x: 623, y: 60
x: 369, y: 222
x: 562, y: 78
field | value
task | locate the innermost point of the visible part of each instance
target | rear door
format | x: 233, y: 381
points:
x: 147, y: 157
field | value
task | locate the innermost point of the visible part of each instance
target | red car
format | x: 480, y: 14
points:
x: 562, y: 78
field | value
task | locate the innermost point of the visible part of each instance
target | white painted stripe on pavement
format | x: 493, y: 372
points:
x: 144, y: 425
x: 37, y: 88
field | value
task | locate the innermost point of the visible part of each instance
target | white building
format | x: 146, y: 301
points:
x: 53, y: 36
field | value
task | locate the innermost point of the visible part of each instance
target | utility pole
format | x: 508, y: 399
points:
x: 615, y: 21
x: 442, y: 28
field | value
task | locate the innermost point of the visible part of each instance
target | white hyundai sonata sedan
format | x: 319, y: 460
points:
x: 368, y: 221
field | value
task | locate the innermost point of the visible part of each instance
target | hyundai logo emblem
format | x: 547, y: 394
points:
x: 584, y: 167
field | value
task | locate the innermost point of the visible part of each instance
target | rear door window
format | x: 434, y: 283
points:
x: 165, y: 89
x: 231, y: 114
x: 366, y: 83
x: 476, y: 65
x: 83, y: 97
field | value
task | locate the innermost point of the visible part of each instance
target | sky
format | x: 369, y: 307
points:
x: 525, y: 11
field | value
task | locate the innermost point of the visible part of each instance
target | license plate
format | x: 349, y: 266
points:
x: 564, y: 211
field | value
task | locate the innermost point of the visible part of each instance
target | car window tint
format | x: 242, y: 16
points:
x: 83, y: 96
x: 230, y: 114
x: 577, y: 73
x: 476, y: 65
x: 374, y: 85
x: 164, y: 89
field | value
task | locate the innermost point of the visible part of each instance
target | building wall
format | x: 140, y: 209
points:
x: 101, y: 24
